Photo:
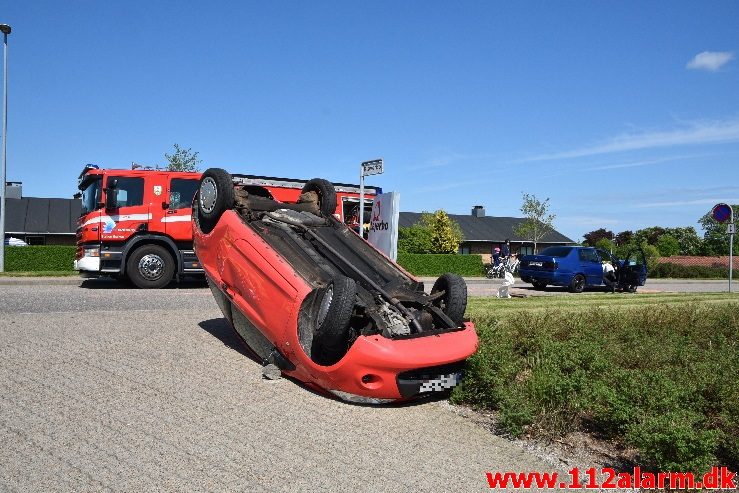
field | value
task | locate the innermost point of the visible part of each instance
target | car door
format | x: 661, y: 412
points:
x: 633, y: 268
x: 591, y: 266
x: 179, y: 208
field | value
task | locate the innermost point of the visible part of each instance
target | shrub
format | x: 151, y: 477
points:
x: 39, y: 258
x: 678, y: 271
x: 656, y: 376
x: 437, y: 264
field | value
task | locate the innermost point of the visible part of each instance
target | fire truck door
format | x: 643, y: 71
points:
x: 177, y: 215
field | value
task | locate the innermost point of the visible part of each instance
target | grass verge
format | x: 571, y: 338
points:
x: 654, y: 372
x: 42, y: 273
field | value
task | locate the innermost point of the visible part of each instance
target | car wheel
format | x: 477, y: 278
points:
x: 214, y: 197
x: 326, y: 194
x: 539, y: 285
x: 632, y: 288
x: 332, y: 322
x: 578, y: 284
x: 454, y: 301
x: 150, y: 267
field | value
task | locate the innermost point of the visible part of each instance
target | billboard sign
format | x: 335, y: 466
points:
x: 383, y: 232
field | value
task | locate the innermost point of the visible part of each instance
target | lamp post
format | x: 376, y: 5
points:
x: 5, y: 29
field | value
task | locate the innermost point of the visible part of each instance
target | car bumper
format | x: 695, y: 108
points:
x: 550, y: 277
x: 87, y: 264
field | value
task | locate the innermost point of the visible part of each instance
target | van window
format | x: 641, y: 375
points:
x: 130, y: 191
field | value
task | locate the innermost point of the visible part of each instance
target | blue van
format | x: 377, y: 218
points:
x: 579, y: 267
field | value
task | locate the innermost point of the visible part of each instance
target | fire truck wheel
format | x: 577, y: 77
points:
x: 150, y: 267
x: 215, y: 196
x: 326, y: 194
x: 454, y: 301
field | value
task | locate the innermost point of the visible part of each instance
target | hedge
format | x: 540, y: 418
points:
x: 678, y: 271
x: 39, y: 258
x: 427, y: 264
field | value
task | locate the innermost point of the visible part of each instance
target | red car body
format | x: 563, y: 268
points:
x: 263, y: 293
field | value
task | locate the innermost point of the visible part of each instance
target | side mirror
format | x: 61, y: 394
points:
x: 111, y: 195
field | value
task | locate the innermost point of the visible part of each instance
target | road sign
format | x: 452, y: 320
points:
x: 721, y: 212
x: 730, y: 229
x: 373, y: 167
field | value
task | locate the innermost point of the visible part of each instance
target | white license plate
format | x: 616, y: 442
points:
x: 536, y: 264
x: 441, y: 383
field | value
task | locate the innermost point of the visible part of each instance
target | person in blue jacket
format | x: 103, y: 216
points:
x: 505, y: 250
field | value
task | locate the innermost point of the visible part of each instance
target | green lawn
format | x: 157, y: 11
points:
x: 655, y: 372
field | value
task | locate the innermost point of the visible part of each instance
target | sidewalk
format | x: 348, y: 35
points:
x: 41, y: 281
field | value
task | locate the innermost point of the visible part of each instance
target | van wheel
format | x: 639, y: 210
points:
x: 326, y: 194
x: 331, y: 336
x: 578, y: 284
x: 214, y: 197
x: 150, y: 267
x: 454, y: 301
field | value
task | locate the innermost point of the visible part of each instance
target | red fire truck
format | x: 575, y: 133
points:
x: 135, y: 224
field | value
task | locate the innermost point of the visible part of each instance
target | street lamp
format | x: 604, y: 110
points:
x: 5, y: 29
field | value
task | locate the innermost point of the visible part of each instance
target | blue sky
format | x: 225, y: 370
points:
x: 624, y: 114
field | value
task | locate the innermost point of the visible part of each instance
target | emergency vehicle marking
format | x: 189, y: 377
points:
x: 176, y: 219
x: 157, y: 190
x: 117, y: 218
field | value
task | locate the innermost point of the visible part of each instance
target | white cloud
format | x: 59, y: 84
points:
x: 710, y: 60
x: 710, y: 132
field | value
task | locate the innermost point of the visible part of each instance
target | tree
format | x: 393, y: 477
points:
x: 538, y: 221
x: 414, y: 239
x: 592, y: 238
x: 446, y: 235
x: 667, y: 245
x: 182, y: 159
x: 604, y: 244
x: 649, y: 235
x: 624, y: 237
x: 715, y: 239
x: 688, y: 239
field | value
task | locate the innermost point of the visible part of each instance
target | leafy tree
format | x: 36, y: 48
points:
x: 649, y: 235
x: 182, y: 159
x: 592, y: 238
x: 688, y: 239
x: 715, y: 239
x: 539, y: 222
x: 667, y: 245
x: 605, y: 244
x: 624, y: 237
x: 414, y: 239
x: 446, y: 235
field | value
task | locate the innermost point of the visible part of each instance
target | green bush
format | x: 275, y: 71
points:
x: 39, y: 258
x: 430, y: 264
x: 678, y: 271
x: 658, y: 376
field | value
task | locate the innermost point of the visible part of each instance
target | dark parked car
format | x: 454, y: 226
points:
x: 310, y: 297
x: 579, y: 267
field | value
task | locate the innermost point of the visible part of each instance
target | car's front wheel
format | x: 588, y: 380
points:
x: 326, y: 194
x: 454, y: 300
x: 335, y: 310
x: 577, y: 285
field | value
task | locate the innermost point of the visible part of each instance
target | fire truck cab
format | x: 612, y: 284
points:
x: 135, y: 224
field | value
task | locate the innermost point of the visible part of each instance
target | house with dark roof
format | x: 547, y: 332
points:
x: 40, y: 221
x: 483, y: 233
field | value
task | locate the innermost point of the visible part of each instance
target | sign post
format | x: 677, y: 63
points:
x: 367, y: 168
x: 722, y: 213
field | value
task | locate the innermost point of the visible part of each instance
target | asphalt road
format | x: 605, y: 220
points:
x: 130, y: 390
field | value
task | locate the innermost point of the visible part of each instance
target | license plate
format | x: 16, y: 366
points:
x: 441, y: 383
x: 536, y: 264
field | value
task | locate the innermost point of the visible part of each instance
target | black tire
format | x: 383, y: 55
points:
x: 454, y: 301
x: 150, y: 267
x: 577, y: 284
x: 326, y: 194
x: 632, y: 288
x: 539, y: 285
x: 215, y: 196
x: 332, y: 333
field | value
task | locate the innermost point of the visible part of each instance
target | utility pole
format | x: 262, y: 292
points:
x: 5, y: 29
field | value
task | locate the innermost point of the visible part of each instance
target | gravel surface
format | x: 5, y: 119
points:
x: 130, y: 390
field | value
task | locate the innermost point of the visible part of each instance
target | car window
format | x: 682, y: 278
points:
x: 181, y: 193
x: 556, y: 251
x: 129, y: 191
x: 588, y: 255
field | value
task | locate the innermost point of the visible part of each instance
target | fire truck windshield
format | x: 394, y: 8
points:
x: 91, y: 196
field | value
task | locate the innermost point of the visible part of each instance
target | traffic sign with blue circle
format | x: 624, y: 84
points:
x: 721, y: 212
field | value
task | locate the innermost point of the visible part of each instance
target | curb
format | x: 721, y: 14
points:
x: 41, y: 281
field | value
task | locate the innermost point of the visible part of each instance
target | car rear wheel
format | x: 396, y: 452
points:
x: 335, y: 310
x: 150, y: 267
x: 326, y: 194
x: 214, y: 197
x: 454, y: 301
x: 578, y: 284
x: 539, y: 285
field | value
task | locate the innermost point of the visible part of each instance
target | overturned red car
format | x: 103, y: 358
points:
x: 310, y: 297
